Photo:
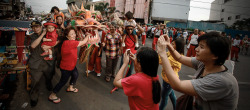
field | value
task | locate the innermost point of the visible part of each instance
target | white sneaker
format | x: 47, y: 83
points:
x: 89, y: 71
x: 137, y: 45
x: 123, y: 45
x: 98, y: 74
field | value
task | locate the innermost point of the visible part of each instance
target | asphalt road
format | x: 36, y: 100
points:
x: 94, y: 92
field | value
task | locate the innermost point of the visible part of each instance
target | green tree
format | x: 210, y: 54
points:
x: 112, y: 9
x: 104, y: 8
x: 87, y: 7
x: 241, y: 25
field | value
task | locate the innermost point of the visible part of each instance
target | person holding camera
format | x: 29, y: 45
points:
x: 143, y: 88
x: 215, y: 87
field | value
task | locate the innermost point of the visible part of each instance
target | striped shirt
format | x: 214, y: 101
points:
x: 112, y: 45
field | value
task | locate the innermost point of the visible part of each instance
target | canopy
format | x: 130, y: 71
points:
x: 20, y: 27
x: 149, y: 24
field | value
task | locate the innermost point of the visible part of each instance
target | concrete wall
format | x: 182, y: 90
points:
x: 197, y: 25
x: 215, y: 12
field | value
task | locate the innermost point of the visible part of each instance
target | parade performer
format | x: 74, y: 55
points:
x: 245, y: 45
x: 68, y: 63
x: 95, y: 58
x: 235, y: 48
x: 157, y: 33
x: 144, y: 36
x: 84, y: 23
x: 50, y: 40
x: 192, y: 44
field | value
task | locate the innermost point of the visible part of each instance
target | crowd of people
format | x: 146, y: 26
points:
x: 214, y: 87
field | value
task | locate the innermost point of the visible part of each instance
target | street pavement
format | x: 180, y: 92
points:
x: 94, y: 92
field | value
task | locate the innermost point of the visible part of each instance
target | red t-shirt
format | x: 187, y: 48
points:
x: 130, y: 44
x: 69, y: 54
x: 53, y: 36
x: 138, y: 88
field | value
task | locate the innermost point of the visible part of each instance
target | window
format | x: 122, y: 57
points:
x: 229, y: 18
x: 222, y: 10
x: 237, y: 17
x: 225, y: 1
x: 222, y: 19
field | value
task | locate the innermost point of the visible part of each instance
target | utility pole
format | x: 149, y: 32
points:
x: 150, y: 11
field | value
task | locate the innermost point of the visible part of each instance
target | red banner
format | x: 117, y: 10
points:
x: 20, y: 35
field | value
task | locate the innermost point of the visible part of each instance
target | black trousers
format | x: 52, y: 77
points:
x: 65, y: 77
x: 36, y: 74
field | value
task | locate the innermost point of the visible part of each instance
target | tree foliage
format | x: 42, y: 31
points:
x: 112, y: 9
x: 241, y: 25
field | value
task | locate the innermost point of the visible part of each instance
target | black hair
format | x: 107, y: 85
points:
x: 59, y: 16
x: 53, y: 8
x: 129, y: 15
x: 237, y: 35
x: 66, y: 32
x: 113, y: 24
x: 218, y: 45
x: 179, y: 42
x: 149, y: 61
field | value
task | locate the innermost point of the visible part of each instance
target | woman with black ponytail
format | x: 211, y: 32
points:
x: 143, y: 88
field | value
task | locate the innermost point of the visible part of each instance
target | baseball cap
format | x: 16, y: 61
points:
x: 35, y: 23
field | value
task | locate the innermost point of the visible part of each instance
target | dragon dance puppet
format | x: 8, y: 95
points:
x: 86, y: 23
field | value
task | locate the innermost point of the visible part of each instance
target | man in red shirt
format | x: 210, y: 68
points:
x: 130, y: 44
x: 157, y: 33
x: 193, y: 43
x: 144, y: 34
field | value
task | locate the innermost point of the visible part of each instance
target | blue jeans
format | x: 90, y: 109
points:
x: 167, y: 91
x: 130, y: 69
x: 65, y: 77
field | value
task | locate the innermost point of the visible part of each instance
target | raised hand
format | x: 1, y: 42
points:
x: 126, y: 58
x: 162, y: 45
x: 44, y: 31
x: 167, y: 39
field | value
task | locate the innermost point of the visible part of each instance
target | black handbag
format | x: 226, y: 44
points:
x: 185, y: 102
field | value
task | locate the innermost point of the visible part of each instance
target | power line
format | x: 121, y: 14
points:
x: 134, y: 5
x: 219, y: 4
x: 201, y: 8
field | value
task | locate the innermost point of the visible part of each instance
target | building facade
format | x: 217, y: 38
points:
x: 229, y: 11
x: 170, y: 10
x: 12, y: 9
x: 140, y: 8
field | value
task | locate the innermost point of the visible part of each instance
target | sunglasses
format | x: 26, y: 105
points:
x: 130, y: 29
